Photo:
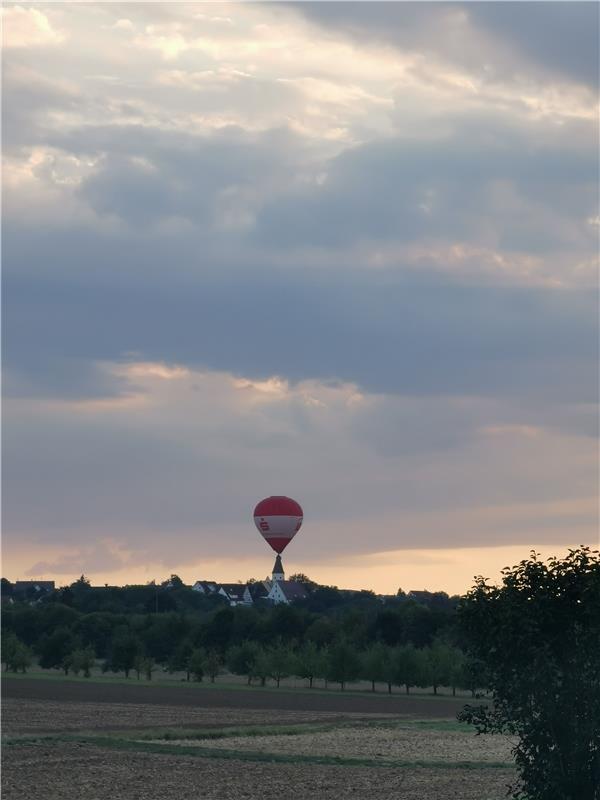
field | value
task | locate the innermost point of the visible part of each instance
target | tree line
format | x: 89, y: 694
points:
x: 335, y: 637
x: 340, y: 663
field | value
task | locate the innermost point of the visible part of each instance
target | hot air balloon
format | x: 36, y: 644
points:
x: 278, y: 519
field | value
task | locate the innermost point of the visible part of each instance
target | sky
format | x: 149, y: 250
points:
x: 344, y: 252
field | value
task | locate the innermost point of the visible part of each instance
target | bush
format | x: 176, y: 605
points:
x: 538, y: 636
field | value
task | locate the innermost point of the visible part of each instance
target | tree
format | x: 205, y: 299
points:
x: 457, y: 672
x: 149, y: 667
x: 198, y: 664
x: 538, y: 636
x: 125, y: 649
x: 300, y: 577
x: 15, y: 654
x: 213, y: 665
x: 9, y: 643
x: 260, y: 667
x: 174, y: 582
x: 322, y: 631
x: 411, y: 667
x: 280, y: 662
x: 217, y: 634
x: 344, y: 663
x: 308, y: 662
x: 82, y: 660
x: 440, y: 658
x: 388, y: 627
x: 374, y: 664
x: 21, y: 658
x: 138, y: 664
x: 95, y: 631
x: 180, y: 659
x: 55, y: 648
x: 241, y: 658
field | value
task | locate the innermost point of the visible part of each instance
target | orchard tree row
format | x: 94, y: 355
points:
x: 340, y: 663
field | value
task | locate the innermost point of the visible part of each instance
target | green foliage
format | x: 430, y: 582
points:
x: 168, y: 622
x: 197, y: 664
x: 411, y: 667
x: 163, y: 633
x: 377, y: 665
x: 82, y: 660
x: 241, y: 659
x: 322, y: 631
x: 217, y: 634
x: 285, y: 623
x: 15, y: 654
x: 180, y: 659
x: 457, y: 675
x: 56, y: 647
x: 343, y: 663
x: 440, y: 658
x: 309, y: 662
x: 143, y: 665
x: 260, y: 667
x: 125, y: 650
x: 538, y: 636
x: 300, y: 577
x: 280, y: 662
x: 213, y: 665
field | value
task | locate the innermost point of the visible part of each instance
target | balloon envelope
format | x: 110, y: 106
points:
x: 278, y: 519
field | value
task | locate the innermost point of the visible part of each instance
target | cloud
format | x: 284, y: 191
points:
x: 103, y: 556
x: 191, y: 459
x: 28, y: 27
x: 562, y: 39
x: 546, y: 40
x: 383, y: 331
x: 478, y: 184
x: 247, y: 253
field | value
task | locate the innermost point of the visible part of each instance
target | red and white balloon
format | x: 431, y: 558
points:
x: 278, y: 519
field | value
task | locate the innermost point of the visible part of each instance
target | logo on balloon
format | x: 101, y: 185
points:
x: 264, y: 525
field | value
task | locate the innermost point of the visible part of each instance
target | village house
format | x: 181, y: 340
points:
x: 39, y: 587
x: 206, y: 587
x: 238, y: 594
x: 275, y: 590
x: 283, y: 591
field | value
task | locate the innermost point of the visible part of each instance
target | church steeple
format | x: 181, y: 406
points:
x: 278, y: 573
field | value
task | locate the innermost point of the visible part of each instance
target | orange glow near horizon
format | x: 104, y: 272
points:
x: 449, y: 570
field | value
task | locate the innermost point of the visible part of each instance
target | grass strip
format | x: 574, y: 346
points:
x: 198, y: 751
x: 298, y: 729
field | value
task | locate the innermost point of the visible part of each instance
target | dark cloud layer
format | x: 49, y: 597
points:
x: 385, y: 332
x: 560, y: 39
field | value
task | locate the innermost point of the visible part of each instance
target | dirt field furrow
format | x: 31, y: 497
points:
x: 71, y: 772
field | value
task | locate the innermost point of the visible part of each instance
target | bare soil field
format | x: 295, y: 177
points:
x: 68, y: 740
x: 268, y: 699
x: 51, y: 716
x: 388, y: 744
x: 71, y: 771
